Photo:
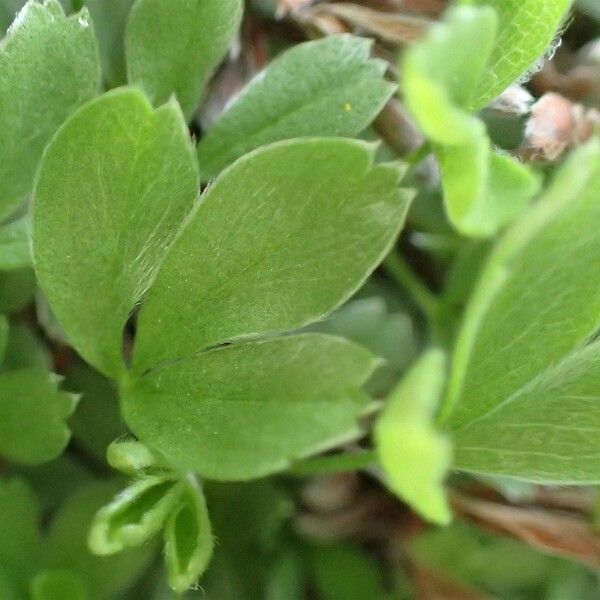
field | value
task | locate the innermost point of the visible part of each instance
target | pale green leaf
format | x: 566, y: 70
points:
x: 57, y: 585
x: 282, y: 237
x: 483, y: 189
x: 104, y: 218
x: 188, y: 540
x: 48, y: 67
x: 20, y: 539
x: 526, y: 29
x: 173, y: 47
x: 32, y: 416
x: 110, y: 17
x: 65, y: 547
x: 135, y: 515
x: 414, y: 456
x: 325, y: 87
x: 536, y: 302
x: 14, y: 245
x: 250, y: 409
x: 132, y: 457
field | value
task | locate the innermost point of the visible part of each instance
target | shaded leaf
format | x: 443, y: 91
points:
x: 173, y: 47
x: 57, y: 585
x: 328, y: 87
x: 14, y: 245
x: 32, y: 416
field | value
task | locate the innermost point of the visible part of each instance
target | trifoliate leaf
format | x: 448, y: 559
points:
x: 188, y: 540
x: 14, y: 246
x: 134, y: 516
x: 173, y: 47
x: 20, y: 539
x: 104, y: 218
x: 415, y: 457
x: 526, y: 29
x: 65, y: 547
x: 32, y: 416
x: 278, y: 241
x: 326, y: 87
x: 57, y: 585
x: 250, y: 409
x: 483, y: 190
x: 110, y: 17
x: 48, y: 67
x: 522, y: 395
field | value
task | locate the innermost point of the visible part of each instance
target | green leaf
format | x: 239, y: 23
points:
x: 110, y: 17
x: 132, y: 457
x: 3, y: 336
x: 174, y: 47
x: 415, y: 457
x: 57, y: 585
x: 188, y: 540
x: 17, y: 289
x: 526, y: 29
x: 247, y: 410
x: 20, y: 539
x: 45, y: 56
x: 522, y: 342
x: 483, y: 189
x: 282, y: 237
x: 65, y: 547
x: 14, y: 246
x: 328, y: 87
x: 32, y: 416
x: 101, y: 226
x: 25, y: 350
x: 134, y: 516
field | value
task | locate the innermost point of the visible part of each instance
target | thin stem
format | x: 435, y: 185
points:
x: 336, y: 463
x: 418, y: 155
x: 420, y: 294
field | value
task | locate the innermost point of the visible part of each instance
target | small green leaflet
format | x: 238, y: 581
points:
x: 526, y: 29
x: 414, y: 456
x: 277, y: 242
x: 248, y: 410
x: 103, y: 219
x: 188, y: 540
x: 522, y: 399
x: 14, y: 245
x: 173, y: 47
x: 48, y: 56
x: 32, y: 416
x: 326, y: 87
x: 483, y: 189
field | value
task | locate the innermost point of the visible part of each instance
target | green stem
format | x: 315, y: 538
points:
x: 336, y: 463
x: 420, y: 294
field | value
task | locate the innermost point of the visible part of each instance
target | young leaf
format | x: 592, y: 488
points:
x: 526, y: 29
x: 134, y: 516
x: 414, y: 456
x: 19, y: 523
x: 14, y: 246
x: 131, y: 457
x: 247, y: 410
x: 110, y: 17
x: 173, y: 47
x: 483, y: 190
x: 325, y: 87
x: 48, y: 56
x: 278, y: 241
x: 57, y: 585
x: 65, y: 547
x: 188, y: 540
x: 32, y: 416
x: 535, y: 306
x: 104, y: 218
